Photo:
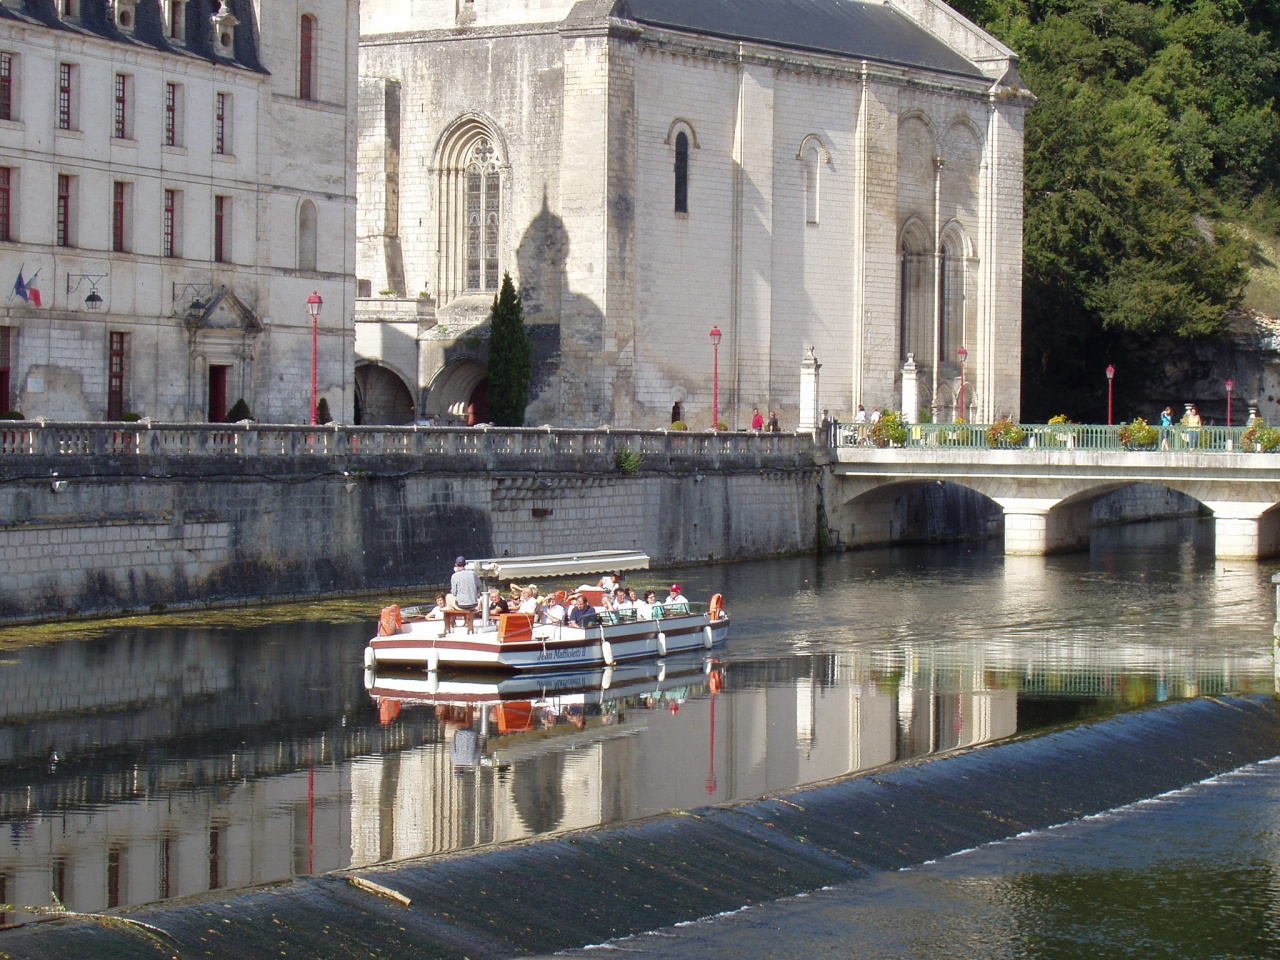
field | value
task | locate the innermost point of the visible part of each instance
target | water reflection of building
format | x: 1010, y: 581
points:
x: 169, y: 763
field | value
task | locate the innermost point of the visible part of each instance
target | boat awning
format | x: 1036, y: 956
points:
x: 561, y: 564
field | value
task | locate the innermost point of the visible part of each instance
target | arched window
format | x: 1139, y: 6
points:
x: 682, y: 172
x: 483, y: 218
x: 469, y: 211
x: 812, y: 161
x: 307, y: 58
x: 307, y: 236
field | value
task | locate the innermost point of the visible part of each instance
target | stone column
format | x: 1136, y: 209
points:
x: 910, y: 390
x: 809, y: 395
x: 1026, y: 534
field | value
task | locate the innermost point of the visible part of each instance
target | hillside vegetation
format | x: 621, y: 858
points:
x: 1151, y: 163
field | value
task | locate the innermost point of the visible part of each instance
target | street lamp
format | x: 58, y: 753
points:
x: 1230, y: 386
x: 964, y: 355
x: 715, y: 390
x: 314, y: 303
x: 1111, y: 377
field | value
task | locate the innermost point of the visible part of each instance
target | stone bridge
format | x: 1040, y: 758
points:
x: 1046, y: 494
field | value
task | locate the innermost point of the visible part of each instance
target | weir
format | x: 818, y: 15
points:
x: 591, y: 886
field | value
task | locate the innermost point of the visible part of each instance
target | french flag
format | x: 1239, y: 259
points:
x: 27, y: 289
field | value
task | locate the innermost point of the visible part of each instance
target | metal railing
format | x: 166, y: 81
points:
x: 1046, y: 436
x: 36, y: 438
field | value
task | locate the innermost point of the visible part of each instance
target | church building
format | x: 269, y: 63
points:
x: 838, y: 175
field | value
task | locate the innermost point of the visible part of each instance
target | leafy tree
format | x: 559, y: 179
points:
x: 510, y: 358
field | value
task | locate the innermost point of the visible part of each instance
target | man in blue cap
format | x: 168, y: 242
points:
x: 465, y: 586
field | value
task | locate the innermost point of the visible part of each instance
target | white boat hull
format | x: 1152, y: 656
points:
x: 426, y: 643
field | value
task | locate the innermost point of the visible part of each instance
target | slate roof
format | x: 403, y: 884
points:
x: 847, y: 28
x: 95, y: 19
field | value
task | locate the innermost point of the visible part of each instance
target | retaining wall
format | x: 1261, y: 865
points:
x: 91, y: 528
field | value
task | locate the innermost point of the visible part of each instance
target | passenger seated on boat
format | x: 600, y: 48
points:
x: 497, y: 604
x: 620, y: 599
x: 644, y: 608
x: 582, y: 614
x: 676, y: 595
x: 528, y: 602
x: 437, y: 612
x: 554, y: 611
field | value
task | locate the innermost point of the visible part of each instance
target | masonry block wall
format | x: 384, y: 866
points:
x: 109, y: 543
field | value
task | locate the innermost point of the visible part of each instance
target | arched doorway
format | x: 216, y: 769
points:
x: 381, y: 396
x: 459, y: 394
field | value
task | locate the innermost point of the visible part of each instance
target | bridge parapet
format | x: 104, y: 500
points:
x: 1048, y: 436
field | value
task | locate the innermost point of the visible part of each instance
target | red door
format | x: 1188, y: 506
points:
x: 218, y: 393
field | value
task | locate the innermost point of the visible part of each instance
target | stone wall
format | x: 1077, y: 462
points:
x: 101, y: 533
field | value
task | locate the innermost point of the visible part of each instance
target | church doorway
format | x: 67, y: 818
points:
x: 459, y: 394
x: 381, y: 396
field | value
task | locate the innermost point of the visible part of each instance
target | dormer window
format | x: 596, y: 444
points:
x: 175, y: 20
x: 69, y: 9
x: 224, y: 31
x: 126, y: 14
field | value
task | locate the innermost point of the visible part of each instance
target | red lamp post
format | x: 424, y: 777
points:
x: 1111, y: 377
x: 964, y: 355
x: 1230, y: 386
x: 715, y: 389
x: 314, y: 303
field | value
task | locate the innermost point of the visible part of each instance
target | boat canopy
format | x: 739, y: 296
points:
x: 561, y: 564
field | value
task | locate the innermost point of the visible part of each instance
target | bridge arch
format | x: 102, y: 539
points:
x: 1046, y: 499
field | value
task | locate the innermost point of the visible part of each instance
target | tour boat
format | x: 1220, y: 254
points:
x: 466, y: 640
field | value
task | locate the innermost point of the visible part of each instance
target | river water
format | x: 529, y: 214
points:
x: 147, y: 760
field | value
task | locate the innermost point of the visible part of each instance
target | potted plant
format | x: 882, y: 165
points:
x: 1006, y: 432
x: 1138, y: 435
x: 1261, y: 436
x: 889, y: 430
x: 1060, y: 434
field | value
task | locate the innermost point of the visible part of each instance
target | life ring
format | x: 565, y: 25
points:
x: 391, y: 621
x: 716, y: 608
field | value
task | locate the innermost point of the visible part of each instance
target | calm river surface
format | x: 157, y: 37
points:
x: 147, y: 760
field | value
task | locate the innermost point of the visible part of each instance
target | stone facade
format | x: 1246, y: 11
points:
x: 180, y: 180
x: 645, y: 171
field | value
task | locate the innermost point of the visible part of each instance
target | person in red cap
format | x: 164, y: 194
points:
x: 675, y: 596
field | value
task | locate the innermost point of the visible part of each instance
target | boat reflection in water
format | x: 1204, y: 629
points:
x: 249, y: 758
x: 529, y: 755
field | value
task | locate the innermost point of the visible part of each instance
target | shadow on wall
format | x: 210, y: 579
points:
x: 566, y: 329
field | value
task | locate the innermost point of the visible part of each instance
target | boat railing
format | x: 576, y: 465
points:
x: 663, y: 611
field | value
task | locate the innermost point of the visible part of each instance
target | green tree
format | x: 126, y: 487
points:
x: 510, y: 358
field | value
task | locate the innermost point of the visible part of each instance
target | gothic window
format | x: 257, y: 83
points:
x: 470, y: 211
x: 682, y: 172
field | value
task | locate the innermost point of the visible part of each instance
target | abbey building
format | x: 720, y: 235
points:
x: 835, y: 174
x: 177, y: 179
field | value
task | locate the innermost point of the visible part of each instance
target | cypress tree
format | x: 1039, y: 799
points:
x: 510, y: 358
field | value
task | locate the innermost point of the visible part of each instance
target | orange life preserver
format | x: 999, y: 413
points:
x: 716, y: 610
x: 391, y: 621
x: 715, y: 681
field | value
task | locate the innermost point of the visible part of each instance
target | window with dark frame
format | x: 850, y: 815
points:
x: 6, y: 397
x: 6, y: 197
x: 121, y: 129
x: 64, y: 96
x: 220, y: 211
x: 170, y: 114
x: 63, y: 237
x: 306, y: 58
x: 168, y: 247
x: 682, y: 172
x: 220, y: 123
x: 177, y: 20
x: 119, y: 216
x: 6, y: 86
x: 115, y: 376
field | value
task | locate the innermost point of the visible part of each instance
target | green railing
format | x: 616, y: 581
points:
x: 1047, y: 436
